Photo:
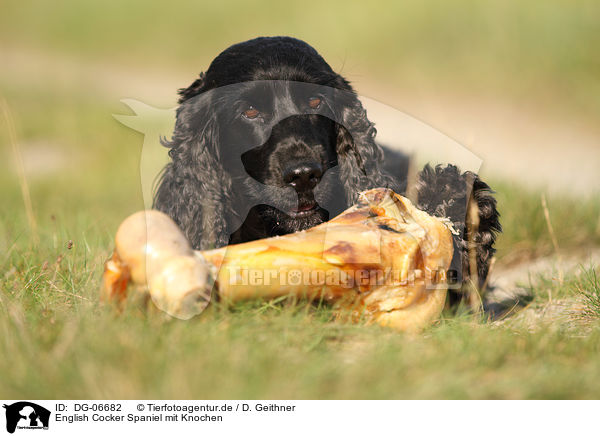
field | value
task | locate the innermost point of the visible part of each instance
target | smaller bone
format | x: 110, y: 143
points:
x: 152, y: 252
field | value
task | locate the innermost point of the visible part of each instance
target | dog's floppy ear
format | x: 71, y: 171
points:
x: 359, y: 157
x: 194, y: 189
x: 194, y: 89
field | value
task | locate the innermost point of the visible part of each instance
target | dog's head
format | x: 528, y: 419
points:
x: 285, y: 135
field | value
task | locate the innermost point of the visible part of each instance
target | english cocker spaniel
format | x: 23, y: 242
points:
x: 270, y: 140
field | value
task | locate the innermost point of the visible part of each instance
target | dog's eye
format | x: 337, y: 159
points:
x: 251, y: 113
x: 314, y: 102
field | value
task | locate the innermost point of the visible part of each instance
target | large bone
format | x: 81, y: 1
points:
x: 382, y: 260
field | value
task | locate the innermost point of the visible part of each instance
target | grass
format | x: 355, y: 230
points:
x: 63, y: 344
x: 590, y: 292
x: 575, y: 220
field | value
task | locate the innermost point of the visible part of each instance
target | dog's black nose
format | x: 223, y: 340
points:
x: 304, y: 176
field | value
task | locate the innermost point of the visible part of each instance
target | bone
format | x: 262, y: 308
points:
x: 154, y: 254
x: 381, y: 261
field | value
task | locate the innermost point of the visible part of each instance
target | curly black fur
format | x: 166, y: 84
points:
x: 446, y: 192
x: 229, y: 176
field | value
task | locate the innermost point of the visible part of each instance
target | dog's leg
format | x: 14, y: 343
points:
x: 446, y: 192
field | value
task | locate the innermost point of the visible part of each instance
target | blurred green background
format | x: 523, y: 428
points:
x: 506, y: 46
x: 515, y: 81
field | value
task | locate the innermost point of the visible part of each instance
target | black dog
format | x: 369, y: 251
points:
x: 270, y: 140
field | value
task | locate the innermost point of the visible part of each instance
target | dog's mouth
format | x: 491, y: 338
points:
x: 304, y: 209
